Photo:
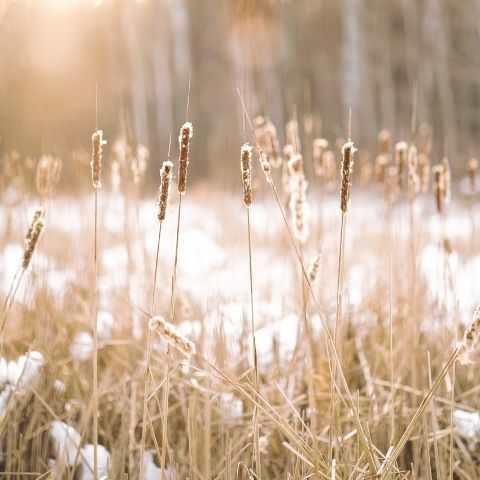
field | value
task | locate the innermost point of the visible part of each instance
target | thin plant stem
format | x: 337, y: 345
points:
x: 95, y: 345
x: 254, y: 351
x: 147, y: 361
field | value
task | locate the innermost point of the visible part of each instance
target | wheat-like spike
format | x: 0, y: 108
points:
x: 169, y: 333
x: 438, y: 186
x: 246, y: 167
x: 186, y: 133
x: 314, y: 267
x: 401, y: 149
x: 33, y: 240
x: 165, y: 178
x: 265, y: 164
x: 39, y: 212
x: 96, y: 164
x: 348, y: 150
x: 447, y: 181
x: 472, y: 168
x: 319, y: 145
x: 470, y: 338
x: 384, y: 142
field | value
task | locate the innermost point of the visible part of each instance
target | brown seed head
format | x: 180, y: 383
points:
x: 298, y: 198
x: 96, y: 164
x: 165, y: 178
x: 439, y: 186
x: 246, y: 168
x: 384, y: 142
x: 401, y: 149
x: 424, y: 166
x: 186, y: 133
x: 447, y: 180
x: 347, y: 170
x: 314, y: 267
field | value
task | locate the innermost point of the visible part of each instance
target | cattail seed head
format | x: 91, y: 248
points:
x: 472, y: 168
x: 413, y: 178
x: 186, y: 133
x: 347, y: 170
x: 319, y: 146
x: 298, y: 198
x: 246, y: 168
x: 381, y: 165
x: 401, y: 149
x: 96, y: 164
x: 447, y: 181
x: 384, y: 142
x: 470, y: 338
x: 169, y: 333
x: 265, y: 164
x: 314, y: 267
x: 33, y: 236
x: 165, y: 178
x: 424, y: 167
x: 438, y: 186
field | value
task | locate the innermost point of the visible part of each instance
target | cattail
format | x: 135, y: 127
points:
x: 329, y: 169
x: 365, y: 167
x: 470, y: 339
x: 401, y: 149
x: 48, y: 174
x: 298, y: 198
x: 424, y: 166
x: 96, y: 164
x: 272, y: 145
x: 186, y: 133
x: 413, y: 178
x: 438, y: 186
x: 447, y: 181
x: 472, y: 168
x: 384, y: 142
x: 319, y: 146
x: 165, y: 178
x: 391, y: 185
x: 246, y: 167
x: 347, y: 169
x: 381, y: 165
x: 314, y: 267
x: 34, y: 236
x: 293, y: 137
x: 169, y: 333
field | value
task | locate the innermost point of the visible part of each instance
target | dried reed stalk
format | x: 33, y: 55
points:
x: 186, y: 133
x: 96, y: 164
x: 165, y: 179
x: 246, y: 168
x: 401, y: 149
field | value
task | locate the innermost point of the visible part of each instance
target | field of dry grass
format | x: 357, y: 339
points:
x: 354, y: 370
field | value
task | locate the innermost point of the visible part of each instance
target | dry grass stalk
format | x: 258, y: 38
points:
x: 348, y: 151
x: 186, y: 133
x: 472, y: 168
x: 319, y: 146
x: 246, y: 167
x: 96, y: 164
x: 168, y: 332
x: 33, y: 235
x: 265, y: 164
x: 288, y: 153
x: 470, y: 338
x: 401, y: 149
x: 314, y: 268
x: 165, y: 179
x: 298, y: 198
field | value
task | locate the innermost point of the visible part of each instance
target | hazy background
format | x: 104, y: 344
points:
x: 312, y: 57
